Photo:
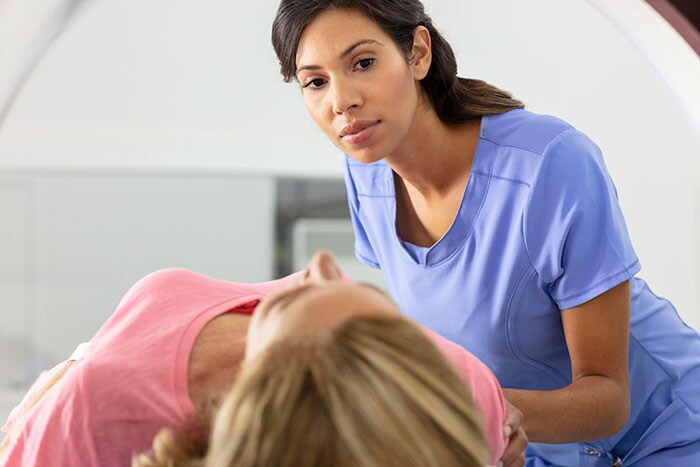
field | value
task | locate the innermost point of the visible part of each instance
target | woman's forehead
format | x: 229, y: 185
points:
x: 333, y: 31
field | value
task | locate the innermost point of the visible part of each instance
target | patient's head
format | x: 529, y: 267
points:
x: 335, y: 375
x: 318, y: 301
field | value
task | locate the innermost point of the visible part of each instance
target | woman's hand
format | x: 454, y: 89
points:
x: 514, y: 455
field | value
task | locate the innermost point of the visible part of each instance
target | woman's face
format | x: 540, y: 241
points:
x: 357, y: 85
x: 318, y: 301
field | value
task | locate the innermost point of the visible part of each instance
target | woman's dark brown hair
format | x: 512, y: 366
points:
x: 454, y: 99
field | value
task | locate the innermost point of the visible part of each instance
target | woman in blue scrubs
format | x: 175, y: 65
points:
x: 501, y: 230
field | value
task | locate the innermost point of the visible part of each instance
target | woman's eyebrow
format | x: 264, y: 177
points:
x: 349, y: 50
x: 343, y: 54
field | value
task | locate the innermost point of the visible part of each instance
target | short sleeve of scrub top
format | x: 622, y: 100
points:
x: 573, y: 227
x: 363, y: 248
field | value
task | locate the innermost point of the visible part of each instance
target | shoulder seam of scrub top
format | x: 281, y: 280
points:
x: 535, y: 178
x: 503, y: 145
x: 524, y: 139
x: 558, y: 136
x: 514, y: 181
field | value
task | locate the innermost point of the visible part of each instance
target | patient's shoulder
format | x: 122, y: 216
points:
x: 484, y: 387
x: 159, y: 281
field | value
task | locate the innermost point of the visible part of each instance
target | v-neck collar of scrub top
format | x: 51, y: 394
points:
x: 470, y: 207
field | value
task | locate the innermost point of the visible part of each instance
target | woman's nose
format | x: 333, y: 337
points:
x: 344, y: 96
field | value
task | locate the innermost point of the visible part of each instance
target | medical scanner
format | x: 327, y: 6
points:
x: 139, y: 135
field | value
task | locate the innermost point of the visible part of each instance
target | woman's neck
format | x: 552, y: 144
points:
x: 431, y: 171
x: 435, y: 158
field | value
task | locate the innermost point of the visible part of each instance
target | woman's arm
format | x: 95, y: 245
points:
x: 597, y: 402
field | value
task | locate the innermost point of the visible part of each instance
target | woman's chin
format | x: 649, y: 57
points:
x: 364, y: 156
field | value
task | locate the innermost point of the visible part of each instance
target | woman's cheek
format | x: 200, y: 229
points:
x: 317, y: 112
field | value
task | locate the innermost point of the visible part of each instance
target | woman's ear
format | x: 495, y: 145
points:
x: 421, y: 53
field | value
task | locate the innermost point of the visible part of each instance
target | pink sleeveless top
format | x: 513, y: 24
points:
x: 133, y: 380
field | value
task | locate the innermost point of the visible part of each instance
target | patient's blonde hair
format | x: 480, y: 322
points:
x: 374, y: 391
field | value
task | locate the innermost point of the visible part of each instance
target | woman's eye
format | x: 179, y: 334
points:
x: 314, y: 83
x: 364, y: 63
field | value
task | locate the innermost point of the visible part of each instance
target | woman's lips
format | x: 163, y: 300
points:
x: 359, y: 135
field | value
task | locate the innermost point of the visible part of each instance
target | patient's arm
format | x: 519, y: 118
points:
x: 24, y: 408
x: 34, y: 394
x: 42, y: 384
x: 49, y: 384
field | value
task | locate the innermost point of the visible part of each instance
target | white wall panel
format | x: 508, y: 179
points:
x: 88, y: 238
x: 17, y: 313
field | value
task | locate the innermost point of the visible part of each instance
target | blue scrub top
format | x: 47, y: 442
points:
x: 539, y: 230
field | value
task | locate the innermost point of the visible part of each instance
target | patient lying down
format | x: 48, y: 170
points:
x: 331, y: 373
